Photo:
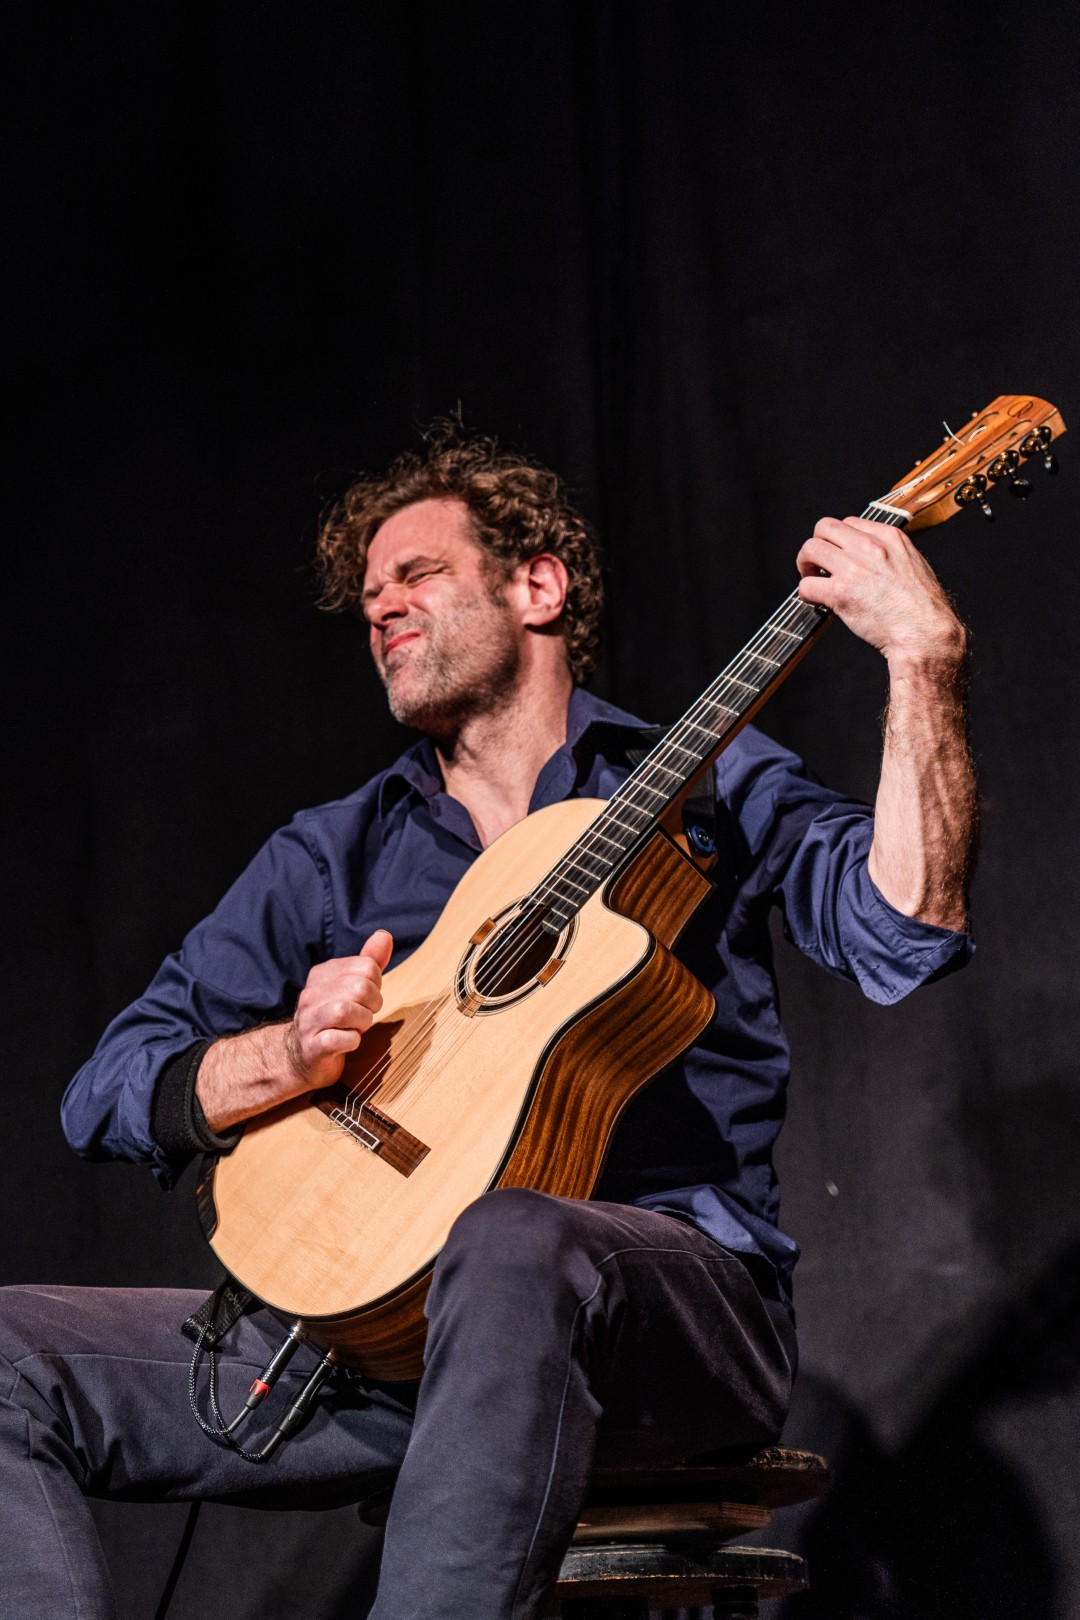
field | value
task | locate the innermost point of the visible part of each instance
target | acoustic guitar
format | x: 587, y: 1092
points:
x: 546, y: 995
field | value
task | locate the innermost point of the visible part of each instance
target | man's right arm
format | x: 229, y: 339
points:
x: 240, y: 970
x: 242, y: 1075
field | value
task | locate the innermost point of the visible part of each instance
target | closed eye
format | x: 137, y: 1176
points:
x: 407, y: 574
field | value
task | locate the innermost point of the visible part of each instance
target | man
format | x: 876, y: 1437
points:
x: 648, y: 1323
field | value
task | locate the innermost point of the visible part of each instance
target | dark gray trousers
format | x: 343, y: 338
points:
x: 560, y: 1331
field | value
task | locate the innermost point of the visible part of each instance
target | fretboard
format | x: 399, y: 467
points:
x: 633, y: 811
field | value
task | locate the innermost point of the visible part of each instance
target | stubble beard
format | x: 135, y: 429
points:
x: 466, y: 664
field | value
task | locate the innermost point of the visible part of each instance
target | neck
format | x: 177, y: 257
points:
x: 491, y: 763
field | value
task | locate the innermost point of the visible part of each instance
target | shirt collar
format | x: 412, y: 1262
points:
x: 593, y: 726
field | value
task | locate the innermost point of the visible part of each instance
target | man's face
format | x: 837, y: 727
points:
x: 444, y: 637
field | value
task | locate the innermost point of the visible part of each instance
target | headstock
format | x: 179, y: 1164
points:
x: 988, y: 450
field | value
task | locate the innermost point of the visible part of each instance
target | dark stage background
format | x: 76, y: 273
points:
x: 728, y: 268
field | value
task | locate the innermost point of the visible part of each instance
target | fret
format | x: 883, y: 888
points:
x: 755, y: 659
x: 688, y: 753
x: 556, y: 879
x: 634, y: 784
x: 721, y: 709
x: 594, y: 832
x: 668, y: 770
x: 601, y: 863
x: 635, y: 808
x: 709, y: 736
x: 635, y: 827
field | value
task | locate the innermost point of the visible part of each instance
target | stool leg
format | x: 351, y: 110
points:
x: 735, y: 1604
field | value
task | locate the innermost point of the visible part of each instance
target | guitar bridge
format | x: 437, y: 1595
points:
x: 380, y: 1134
x: 366, y: 1138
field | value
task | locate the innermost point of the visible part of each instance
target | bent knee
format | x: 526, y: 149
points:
x: 514, y: 1227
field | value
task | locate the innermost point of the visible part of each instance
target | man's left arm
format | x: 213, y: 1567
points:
x: 925, y: 816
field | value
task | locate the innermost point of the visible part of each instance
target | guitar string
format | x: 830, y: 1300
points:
x: 517, y: 932
x: 781, y: 619
x: 792, y: 606
x: 518, y: 938
x: 532, y: 906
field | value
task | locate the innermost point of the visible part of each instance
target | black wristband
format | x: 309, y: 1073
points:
x: 177, y: 1122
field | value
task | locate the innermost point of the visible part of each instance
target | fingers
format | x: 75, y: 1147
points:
x: 378, y: 948
x: 856, y: 540
x: 879, y: 584
x: 817, y: 589
x: 346, y: 998
x: 335, y: 1008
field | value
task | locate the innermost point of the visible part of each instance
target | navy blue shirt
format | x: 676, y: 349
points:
x: 697, y: 1142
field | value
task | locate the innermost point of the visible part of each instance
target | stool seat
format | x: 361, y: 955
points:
x: 745, y: 1484
x: 723, y: 1494
x: 651, y: 1538
x: 659, y: 1537
x: 768, y: 1478
x: 683, y: 1575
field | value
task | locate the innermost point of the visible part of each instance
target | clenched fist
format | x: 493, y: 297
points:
x: 336, y: 1006
x: 242, y: 1075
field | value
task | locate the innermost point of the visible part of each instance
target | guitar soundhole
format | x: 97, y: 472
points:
x: 515, y: 957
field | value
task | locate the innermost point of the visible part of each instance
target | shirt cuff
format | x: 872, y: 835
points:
x: 913, y: 953
x: 177, y: 1122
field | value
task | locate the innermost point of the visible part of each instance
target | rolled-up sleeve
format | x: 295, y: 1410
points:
x: 806, y: 848
x: 243, y: 966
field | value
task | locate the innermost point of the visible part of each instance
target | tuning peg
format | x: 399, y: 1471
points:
x: 1021, y: 488
x: 972, y: 492
x: 1037, y: 443
x: 1004, y: 466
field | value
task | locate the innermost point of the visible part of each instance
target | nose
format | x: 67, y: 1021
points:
x: 389, y: 604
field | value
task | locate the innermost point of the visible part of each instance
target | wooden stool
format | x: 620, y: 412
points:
x: 652, y: 1538
x: 660, y: 1538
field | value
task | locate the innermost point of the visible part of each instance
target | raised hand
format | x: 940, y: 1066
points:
x: 884, y: 590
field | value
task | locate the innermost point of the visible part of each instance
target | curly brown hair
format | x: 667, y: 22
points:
x: 517, y: 509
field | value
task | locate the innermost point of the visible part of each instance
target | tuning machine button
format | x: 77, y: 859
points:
x: 1037, y: 443
x: 1004, y: 466
x: 1021, y: 488
x: 973, y: 492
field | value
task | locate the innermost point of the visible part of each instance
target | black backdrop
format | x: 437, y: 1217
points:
x: 727, y: 268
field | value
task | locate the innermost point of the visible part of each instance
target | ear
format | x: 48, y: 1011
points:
x: 542, y: 582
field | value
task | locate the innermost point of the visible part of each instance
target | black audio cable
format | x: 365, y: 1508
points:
x: 295, y: 1418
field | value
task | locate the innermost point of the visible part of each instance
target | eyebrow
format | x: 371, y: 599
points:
x: 400, y: 571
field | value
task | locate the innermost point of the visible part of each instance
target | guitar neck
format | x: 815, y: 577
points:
x: 710, y: 723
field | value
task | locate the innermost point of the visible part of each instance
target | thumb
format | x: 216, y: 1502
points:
x: 379, y: 947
